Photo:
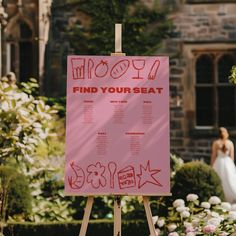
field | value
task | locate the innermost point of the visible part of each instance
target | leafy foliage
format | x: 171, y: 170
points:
x: 14, y: 192
x: 143, y: 28
x: 232, y: 77
x: 98, y: 227
x: 199, y: 178
x: 24, y: 121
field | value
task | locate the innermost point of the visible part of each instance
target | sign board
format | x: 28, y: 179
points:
x: 117, y: 126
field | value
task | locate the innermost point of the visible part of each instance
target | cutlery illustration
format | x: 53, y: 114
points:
x: 112, y: 170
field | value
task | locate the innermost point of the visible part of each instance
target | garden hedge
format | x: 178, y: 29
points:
x: 95, y: 227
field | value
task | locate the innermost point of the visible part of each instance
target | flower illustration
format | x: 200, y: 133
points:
x: 96, y: 175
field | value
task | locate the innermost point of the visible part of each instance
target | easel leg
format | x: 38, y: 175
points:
x: 87, y: 212
x: 117, y: 216
x: 149, y: 216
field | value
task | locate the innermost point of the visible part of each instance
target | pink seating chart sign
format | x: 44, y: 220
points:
x: 117, y: 126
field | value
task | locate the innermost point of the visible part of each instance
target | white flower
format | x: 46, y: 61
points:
x: 178, y: 203
x: 206, y: 205
x: 232, y: 215
x: 187, y: 224
x: 173, y: 234
x: 192, y: 197
x: 190, y: 234
x: 182, y: 208
x: 154, y: 219
x: 195, y: 222
x: 215, y: 214
x: 185, y: 214
x: 214, y: 221
x: 160, y: 223
x: 171, y: 227
x: 233, y: 207
x: 226, y: 206
x: 208, y: 212
x: 214, y: 200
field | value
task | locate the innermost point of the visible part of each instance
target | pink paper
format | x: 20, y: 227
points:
x: 117, y: 126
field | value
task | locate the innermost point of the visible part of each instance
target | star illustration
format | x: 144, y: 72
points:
x: 146, y: 175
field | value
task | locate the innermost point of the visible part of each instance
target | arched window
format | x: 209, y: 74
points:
x: 215, y: 96
x: 26, y: 58
x: 204, y: 91
x: 25, y: 31
x: 204, y: 69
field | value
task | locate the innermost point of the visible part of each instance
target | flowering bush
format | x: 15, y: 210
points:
x: 192, y: 218
x: 25, y: 121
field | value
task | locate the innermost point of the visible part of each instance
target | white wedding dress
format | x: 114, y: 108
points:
x: 225, y: 168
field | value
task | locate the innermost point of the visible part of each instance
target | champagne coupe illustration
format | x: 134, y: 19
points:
x: 138, y: 65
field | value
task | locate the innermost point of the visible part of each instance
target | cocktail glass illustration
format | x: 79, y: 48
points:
x: 78, y: 65
x: 138, y: 65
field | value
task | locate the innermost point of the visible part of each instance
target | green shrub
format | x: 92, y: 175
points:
x: 15, y: 192
x: 96, y: 227
x: 199, y: 178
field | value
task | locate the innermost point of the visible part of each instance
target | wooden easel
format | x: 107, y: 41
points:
x: 117, y: 200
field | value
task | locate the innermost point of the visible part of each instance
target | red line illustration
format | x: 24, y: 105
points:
x: 153, y: 72
x: 138, y: 65
x: 126, y: 177
x: 119, y: 69
x: 78, y: 65
x: 101, y: 69
x: 146, y: 175
x: 112, y: 170
x: 78, y: 180
x: 90, y: 67
x: 96, y: 175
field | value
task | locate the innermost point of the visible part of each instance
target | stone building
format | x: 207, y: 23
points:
x: 202, y: 50
x: 24, y: 31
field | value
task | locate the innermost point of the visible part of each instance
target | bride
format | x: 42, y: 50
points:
x: 222, y: 160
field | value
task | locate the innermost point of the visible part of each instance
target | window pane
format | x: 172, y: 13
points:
x: 224, y: 66
x: 26, y: 61
x: 25, y: 31
x: 226, y: 98
x: 204, y: 106
x: 204, y: 69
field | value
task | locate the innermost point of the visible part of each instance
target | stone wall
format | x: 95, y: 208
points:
x: 201, y: 27
x: 206, y: 22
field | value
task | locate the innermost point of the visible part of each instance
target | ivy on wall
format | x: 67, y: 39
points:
x: 143, y: 27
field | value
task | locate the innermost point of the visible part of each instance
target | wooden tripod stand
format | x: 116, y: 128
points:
x: 117, y: 216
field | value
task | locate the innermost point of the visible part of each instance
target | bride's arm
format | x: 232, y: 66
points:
x: 232, y: 151
x: 213, y: 153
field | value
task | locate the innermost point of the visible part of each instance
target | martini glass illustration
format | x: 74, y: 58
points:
x: 138, y: 65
